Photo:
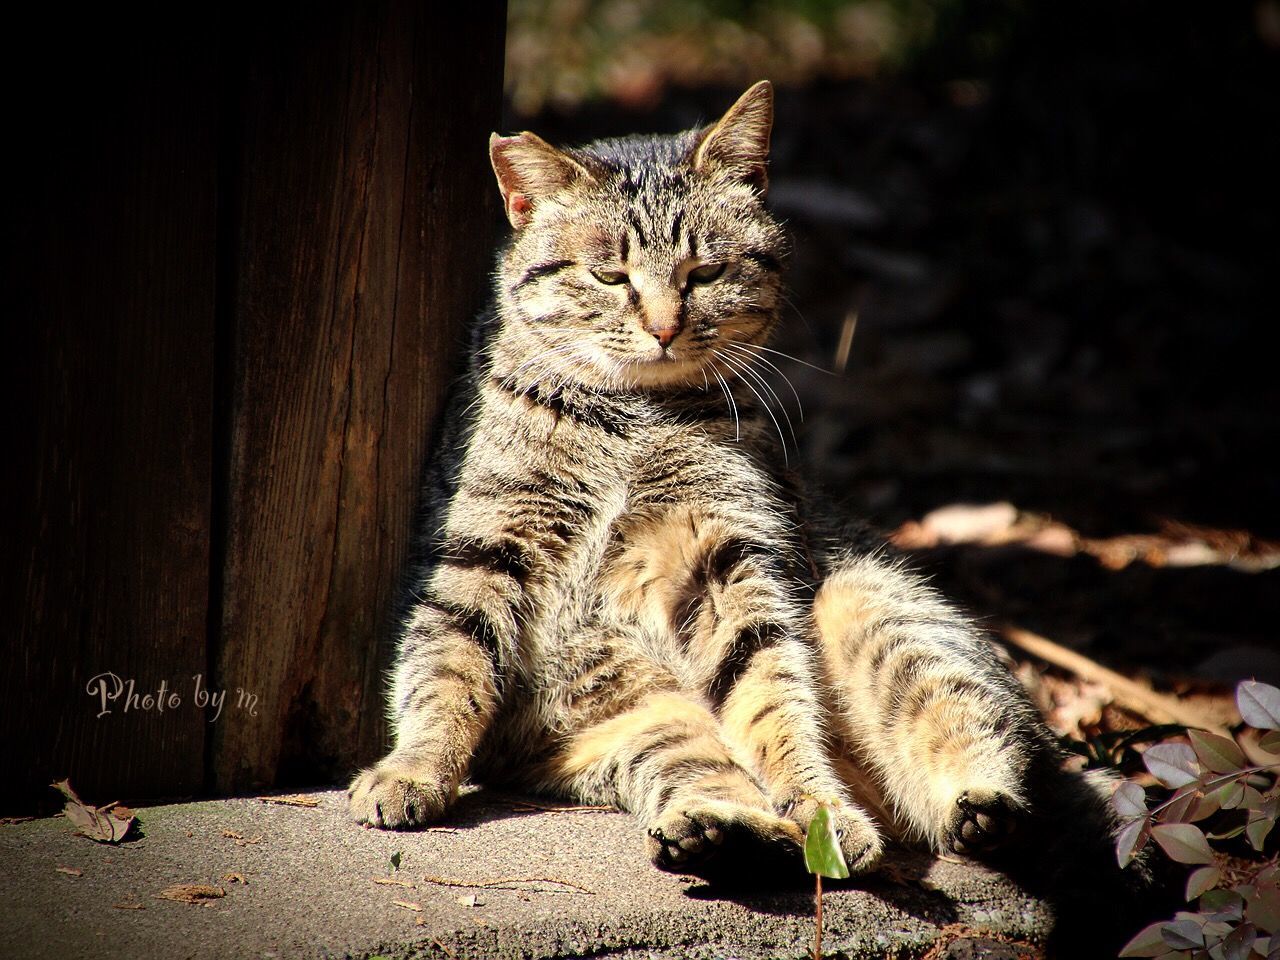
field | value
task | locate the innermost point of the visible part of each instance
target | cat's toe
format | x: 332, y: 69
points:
x: 717, y: 841
x: 388, y: 798
x: 983, y: 821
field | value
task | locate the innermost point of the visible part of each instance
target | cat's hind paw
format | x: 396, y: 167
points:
x: 721, y: 840
x: 389, y: 797
x: 982, y: 822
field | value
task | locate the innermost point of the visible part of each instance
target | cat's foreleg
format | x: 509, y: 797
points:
x: 446, y: 689
x: 942, y: 722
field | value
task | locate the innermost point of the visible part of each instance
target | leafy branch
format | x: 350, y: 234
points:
x: 1213, y: 784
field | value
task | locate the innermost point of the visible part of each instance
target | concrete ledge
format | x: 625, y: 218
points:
x: 309, y: 892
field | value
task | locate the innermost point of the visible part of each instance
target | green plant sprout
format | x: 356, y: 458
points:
x: 823, y: 858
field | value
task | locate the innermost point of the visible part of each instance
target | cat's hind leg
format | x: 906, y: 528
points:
x: 942, y: 723
x: 665, y: 760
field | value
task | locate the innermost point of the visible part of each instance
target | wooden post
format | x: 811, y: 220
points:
x: 243, y: 259
x: 364, y: 212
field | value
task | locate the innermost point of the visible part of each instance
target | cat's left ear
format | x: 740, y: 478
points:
x: 738, y: 144
x: 530, y: 169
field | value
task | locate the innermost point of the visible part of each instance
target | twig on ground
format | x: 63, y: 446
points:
x: 555, y: 808
x: 1129, y: 694
x: 501, y: 882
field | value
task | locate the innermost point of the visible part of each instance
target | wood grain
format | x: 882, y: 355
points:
x: 364, y: 218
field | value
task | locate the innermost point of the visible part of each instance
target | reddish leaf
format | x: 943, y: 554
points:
x: 1239, y: 943
x: 1257, y: 831
x: 1148, y: 943
x: 1270, y: 741
x: 1263, y: 908
x: 1129, y: 800
x: 1179, y: 809
x: 1183, y: 935
x: 1131, y: 840
x: 1201, y: 880
x: 1217, y: 753
x: 1259, y: 704
x: 1183, y: 842
x: 1173, y: 764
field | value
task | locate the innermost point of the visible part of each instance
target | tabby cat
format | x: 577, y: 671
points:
x: 624, y: 597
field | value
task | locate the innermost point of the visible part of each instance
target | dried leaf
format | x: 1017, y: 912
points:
x: 1202, y: 880
x: 1173, y: 764
x: 235, y: 878
x: 191, y: 893
x: 70, y: 871
x: 1129, y: 800
x: 1183, y: 842
x: 392, y: 882
x: 1219, y: 754
x: 129, y: 905
x: 407, y: 905
x: 469, y: 900
x: 1259, y: 704
x: 104, y: 825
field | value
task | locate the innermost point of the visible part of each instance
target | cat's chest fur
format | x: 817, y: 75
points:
x: 627, y: 497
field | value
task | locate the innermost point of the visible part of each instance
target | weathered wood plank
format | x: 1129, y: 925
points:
x: 111, y: 234
x: 364, y: 210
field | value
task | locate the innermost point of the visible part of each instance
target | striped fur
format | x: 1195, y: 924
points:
x: 621, y: 597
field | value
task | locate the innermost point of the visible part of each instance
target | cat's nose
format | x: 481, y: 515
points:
x: 664, y: 335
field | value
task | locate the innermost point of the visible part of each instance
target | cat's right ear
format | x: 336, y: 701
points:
x: 528, y: 170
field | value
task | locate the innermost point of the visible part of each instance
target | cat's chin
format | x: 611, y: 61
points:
x: 664, y: 371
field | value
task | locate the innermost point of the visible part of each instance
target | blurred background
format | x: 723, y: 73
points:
x: 1035, y: 246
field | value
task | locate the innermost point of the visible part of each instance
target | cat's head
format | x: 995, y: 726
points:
x: 646, y: 261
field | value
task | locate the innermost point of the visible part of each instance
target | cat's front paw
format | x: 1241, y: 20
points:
x: 860, y: 840
x: 982, y: 821
x: 721, y: 840
x: 394, y: 798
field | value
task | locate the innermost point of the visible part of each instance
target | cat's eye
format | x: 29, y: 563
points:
x: 707, y: 273
x: 610, y: 277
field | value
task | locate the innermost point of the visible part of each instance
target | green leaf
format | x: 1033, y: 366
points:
x: 1217, y: 753
x: 1183, y: 842
x: 1148, y: 942
x: 1173, y: 764
x: 1227, y: 904
x: 1202, y: 880
x: 822, y: 853
x: 1259, y: 704
x: 1129, y: 800
x: 1229, y: 795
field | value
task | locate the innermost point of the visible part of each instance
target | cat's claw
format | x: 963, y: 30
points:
x: 388, y: 798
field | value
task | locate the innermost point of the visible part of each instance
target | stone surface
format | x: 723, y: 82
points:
x: 303, y: 885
